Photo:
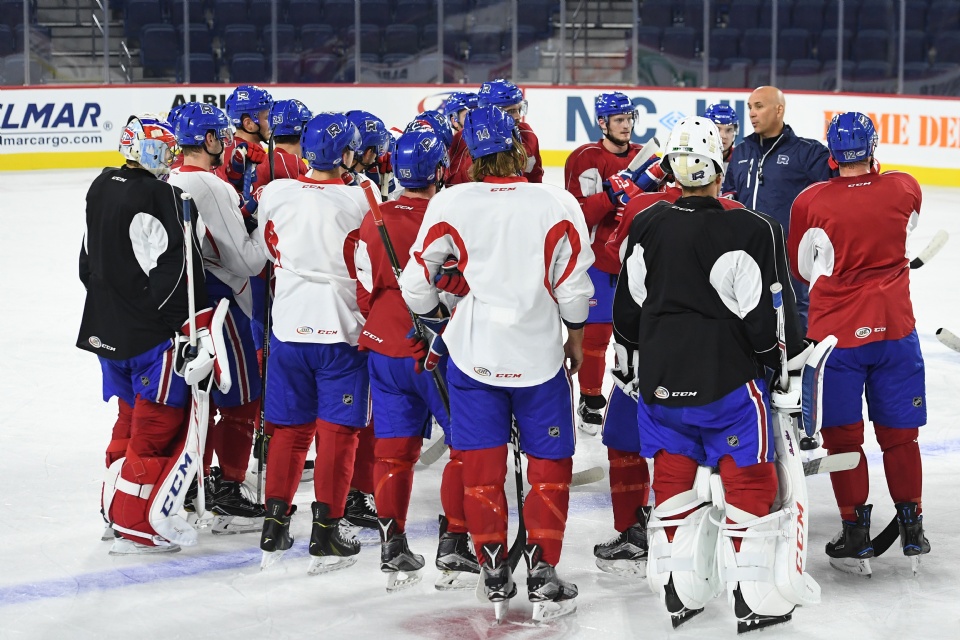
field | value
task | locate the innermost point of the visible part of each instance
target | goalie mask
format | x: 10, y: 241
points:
x: 149, y: 141
x: 695, y: 152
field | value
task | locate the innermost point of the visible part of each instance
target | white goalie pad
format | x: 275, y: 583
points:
x: 110, y: 487
x: 691, y: 558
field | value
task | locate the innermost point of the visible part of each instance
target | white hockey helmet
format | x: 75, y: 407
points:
x: 695, y: 152
x: 149, y: 141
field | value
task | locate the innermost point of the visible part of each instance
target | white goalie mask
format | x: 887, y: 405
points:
x: 148, y: 140
x: 695, y: 152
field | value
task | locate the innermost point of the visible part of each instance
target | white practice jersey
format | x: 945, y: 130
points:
x: 310, y: 232
x: 229, y: 252
x: 524, y: 249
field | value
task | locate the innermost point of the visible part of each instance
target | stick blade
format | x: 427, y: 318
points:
x: 939, y: 239
x: 587, y: 476
x: 948, y: 339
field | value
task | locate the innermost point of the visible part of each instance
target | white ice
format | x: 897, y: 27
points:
x: 57, y: 581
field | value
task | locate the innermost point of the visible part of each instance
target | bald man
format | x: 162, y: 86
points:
x: 773, y: 165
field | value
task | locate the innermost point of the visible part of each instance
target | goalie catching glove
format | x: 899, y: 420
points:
x: 209, y: 356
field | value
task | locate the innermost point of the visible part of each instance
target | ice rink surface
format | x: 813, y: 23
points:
x: 57, y: 580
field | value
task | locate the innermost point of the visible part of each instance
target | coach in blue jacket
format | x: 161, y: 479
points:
x: 773, y: 165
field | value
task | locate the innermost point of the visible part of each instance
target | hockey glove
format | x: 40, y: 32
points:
x: 248, y: 206
x: 620, y: 190
x: 243, y: 153
x: 648, y: 176
x: 349, y: 179
x: 196, y: 364
x: 625, y: 372
x: 450, y: 278
x: 434, y: 325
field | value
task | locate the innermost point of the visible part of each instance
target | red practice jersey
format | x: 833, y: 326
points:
x: 583, y: 174
x: 388, y: 321
x: 285, y: 165
x: 460, y: 164
x: 610, y: 250
x: 848, y: 240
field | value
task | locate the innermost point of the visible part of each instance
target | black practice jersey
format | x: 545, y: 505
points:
x: 133, y: 264
x: 694, y: 299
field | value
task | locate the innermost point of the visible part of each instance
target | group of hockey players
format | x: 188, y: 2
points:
x: 329, y: 284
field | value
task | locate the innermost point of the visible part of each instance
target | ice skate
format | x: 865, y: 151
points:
x: 125, y: 547
x: 276, y: 538
x: 679, y: 613
x: 912, y: 539
x: 455, y: 559
x: 590, y: 414
x: 109, y: 533
x: 748, y: 621
x: 551, y: 596
x: 496, y: 583
x: 361, y: 511
x: 233, y: 511
x: 396, y: 560
x: 851, y: 549
x: 626, y: 554
x: 331, y: 551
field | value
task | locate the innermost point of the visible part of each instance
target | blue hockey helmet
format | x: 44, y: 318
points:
x: 613, y: 104
x: 174, y: 113
x: 500, y: 93
x: 721, y: 113
x: 247, y: 99
x: 373, y: 133
x: 458, y: 101
x: 436, y: 121
x: 288, y: 117
x: 851, y: 137
x: 420, y: 159
x: 488, y: 130
x: 196, y: 119
x: 326, y: 137
x: 149, y: 141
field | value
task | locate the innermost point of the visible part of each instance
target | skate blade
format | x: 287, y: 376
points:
x: 199, y: 522
x: 546, y: 611
x: 683, y: 616
x: 588, y: 429
x: 762, y: 622
x: 853, y: 566
x: 366, y: 537
x: 124, y: 547
x: 269, y: 558
x: 635, y: 569
x: 915, y: 565
x: 457, y: 581
x: 400, y: 580
x: 500, y: 610
x: 307, y: 475
x: 108, y: 534
x: 327, y: 564
x: 229, y: 525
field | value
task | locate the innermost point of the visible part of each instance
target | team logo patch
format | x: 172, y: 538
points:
x: 918, y: 402
x: 592, y: 302
x: 480, y: 371
x: 661, y: 392
x: 733, y: 441
x: 863, y: 332
x: 145, y: 381
x: 782, y: 159
x: 347, y: 398
x: 698, y: 175
x: 553, y: 432
x: 304, y: 330
x: 94, y: 342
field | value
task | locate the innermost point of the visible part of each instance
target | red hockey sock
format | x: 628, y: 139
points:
x: 120, y: 437
x: 363, y: 463
x: 751, y: 489
x: 155, y: 429
x: 336, y: 449
x: 393, y: 475
x: 852, y: 488
x: 288, y: 451
x: 901, y: 463
x: 545, y: 508
x: 234, y: 440
x: 451, y: 493
x: 484, y: 502
x: 672, y: 475
x: 629, y: 486
x: 596, y: 337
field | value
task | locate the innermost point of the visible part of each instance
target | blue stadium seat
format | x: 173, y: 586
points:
x: 203, y: 69
x: 376, y: 12
x: 794, y: 44
x: 784, y: 13
x: 809, y: 15
x: 428, y: 36
x: 229, y: 12
x: 827, y: 45
x: 803, y: 66
x: 877, y: 14
x: 13, y: 70
x: 398, y: 59
x: 337, y: 13
x: 485, y: 40
x: 305, y: 12
x: 829, y: 71
x: 744, y: 14
x: 248, y: 68
x: 944, y: 15
x: 239, y: 38
x: 7, y: 45
x: 138, y: 13
x: 195, y: 13
x: 286, y: 38
x: 649, y: 37
x: 401, y: 39
x: 11, y: 15
x: 759, y: 72
x: 725, y: 43
x: 873, y: 70
x: 680, y: 41
x: 200, y: 39
x: 319, y: 67
x: 915, y: 47
x: 288, y: 67
x: 755, y: 44
x: 530, y: 13
x: 916, y: 14
x: 915, y: 70
x: 317, y: 37
x: 260, y: 12
x: 419, y: 12
x: 871, y: 44
x: 947, y: 45
x: 693, y: 14
x: 369, y: 39
x: 657, y: 13
x: 158, y: 49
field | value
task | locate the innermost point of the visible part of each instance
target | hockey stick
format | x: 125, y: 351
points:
x: 260, y: 439
x: 939, y: 239
x: 885, y: 539
x: 200, y: 397
x: 948, y: 339
x: 832, y: 463
x: 420, y: 332
x: 520, y: 542
x: 587, y: 476
x: 648, y: 151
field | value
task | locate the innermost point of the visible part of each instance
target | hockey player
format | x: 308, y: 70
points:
x: 248, y: 108
x: 524, y: 251
x: 728, y: 124
x: 508, y: 97
x: 592, y: 175
x: 456, y: 108
x: 375, y: 144
x: 715, y: 412
x: 860, y: 292
x: 230, y: 256
x: 318, y: 382
x: 403, y: 400
x: 132, y: 263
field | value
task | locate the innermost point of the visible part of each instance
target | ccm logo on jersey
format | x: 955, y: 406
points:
x: 863, y: 332
x: 858, y: 184
x: 503, y: 189
x: 663, y: 393
x: 508, y: 375
x: 96, y: 344
x: 372, y: 337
